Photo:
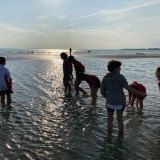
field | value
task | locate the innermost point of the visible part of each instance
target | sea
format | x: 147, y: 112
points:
x: 44, y: 123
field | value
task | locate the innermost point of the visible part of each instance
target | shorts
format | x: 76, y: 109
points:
x: 67, y: 78
x: 79, y: 71
x: 7, y: 92
x: 97, y: 83
x: 114, y: 108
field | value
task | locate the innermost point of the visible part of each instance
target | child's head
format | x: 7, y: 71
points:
x: 64, y: 55
x: 71, y: 58
x: 2, y: 60
x: 81, y: 76
x: 158, y: 73
x: 113, y: 65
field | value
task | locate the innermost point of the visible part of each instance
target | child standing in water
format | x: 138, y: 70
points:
x: 94, y: 84
x: 158, y: 76
x: 67, y: 72
x: 112, y: 90
x: 5, y: 82
x: 133, y: 97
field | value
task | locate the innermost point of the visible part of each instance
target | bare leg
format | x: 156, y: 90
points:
x: 141, y: 105
x: 8, y: 99
x: 132, y: 100
x: 120, y: 121
x: 110, y: 121
x: 94, y: 96
x: 82, y: 90
x: 3, y: 99
x: 66, y: 86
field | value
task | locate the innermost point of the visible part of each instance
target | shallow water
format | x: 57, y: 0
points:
x: 44, y: 124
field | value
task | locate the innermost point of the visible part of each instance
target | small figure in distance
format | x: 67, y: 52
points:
x: 158, y: 76
x: 94, y: 84
x: 67, y: 72
x: 112, y: 90
x: 5, y: 82
x: 77, y: 65
x: 70, y: 51
x: 133, y: 97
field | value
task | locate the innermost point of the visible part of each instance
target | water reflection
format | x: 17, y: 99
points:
x: 5, y: 112
x: 44, y: 123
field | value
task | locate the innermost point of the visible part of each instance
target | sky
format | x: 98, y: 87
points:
x: 80, y: 24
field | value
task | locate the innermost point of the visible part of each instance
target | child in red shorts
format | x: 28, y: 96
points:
x: 132, y: 97
x: 94, y: 84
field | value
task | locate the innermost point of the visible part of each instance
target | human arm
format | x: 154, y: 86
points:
x: 93, y: 94
x: 103, y: 88
x: 131, y: 89
x: 10, y: 82
x: 129, y: 98
x: 77, y: 88
x: 8, y: 79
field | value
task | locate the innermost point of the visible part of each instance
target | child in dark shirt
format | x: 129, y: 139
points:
x: 67, y: 71
x: 78, y: 66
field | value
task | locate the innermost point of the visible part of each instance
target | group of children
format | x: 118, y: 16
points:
x: 92, y: 80
x: 111, y: 88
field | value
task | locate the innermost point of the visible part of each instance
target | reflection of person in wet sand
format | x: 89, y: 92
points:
x: 70, y: 51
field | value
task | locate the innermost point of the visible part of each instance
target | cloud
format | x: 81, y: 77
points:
x: 53, y: 2
x: 43, y: 17
x: 17, y: 30
x: 130, y: 7
x: 69, y: 26
x: 62, y: 17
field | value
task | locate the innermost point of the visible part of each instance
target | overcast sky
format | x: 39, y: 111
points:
x: 80, y: 24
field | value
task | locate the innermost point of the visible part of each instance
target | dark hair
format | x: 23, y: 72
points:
x: 71, y: 58
x: 158, y: 69
x: 81, y: 76
x: 112, y: 65
x: 2, y: 60
x: 64, y: 55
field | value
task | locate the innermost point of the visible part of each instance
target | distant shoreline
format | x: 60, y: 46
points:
x: 129, y: 56
x: 140, y: 49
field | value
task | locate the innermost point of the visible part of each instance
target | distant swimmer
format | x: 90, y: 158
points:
x: 70, y: 51
x: 158, y: 76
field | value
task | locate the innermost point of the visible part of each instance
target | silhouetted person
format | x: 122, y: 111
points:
x: 70, y: 51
